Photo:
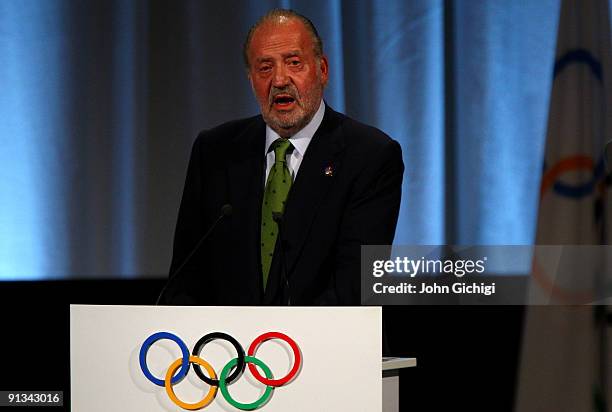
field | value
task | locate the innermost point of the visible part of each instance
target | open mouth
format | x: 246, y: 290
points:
x: 283, y: 101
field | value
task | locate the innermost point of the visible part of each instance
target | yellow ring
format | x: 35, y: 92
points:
x: 170, y: 390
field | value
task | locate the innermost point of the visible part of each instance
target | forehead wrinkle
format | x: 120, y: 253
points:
x: 279, y: 43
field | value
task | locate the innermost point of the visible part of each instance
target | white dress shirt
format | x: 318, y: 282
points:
x: 300, y: 142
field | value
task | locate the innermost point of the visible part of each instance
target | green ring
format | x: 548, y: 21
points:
x: 223, y: 385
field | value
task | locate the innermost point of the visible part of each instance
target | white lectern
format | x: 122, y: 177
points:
x: 159, y: 358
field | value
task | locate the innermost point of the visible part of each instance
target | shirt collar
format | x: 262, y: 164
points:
x: 301, y: 139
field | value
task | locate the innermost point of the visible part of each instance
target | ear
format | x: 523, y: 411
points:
x: 248, y: 73
x: 324, y: 67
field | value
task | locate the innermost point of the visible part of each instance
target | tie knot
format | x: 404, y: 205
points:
x: 280, y: 147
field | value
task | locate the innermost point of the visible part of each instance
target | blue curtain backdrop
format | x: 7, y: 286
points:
x: 101, y: 100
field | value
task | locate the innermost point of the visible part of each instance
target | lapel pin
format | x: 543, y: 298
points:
x: 329, y: 171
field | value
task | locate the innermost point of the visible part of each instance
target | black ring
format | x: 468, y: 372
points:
x: 239, y: 350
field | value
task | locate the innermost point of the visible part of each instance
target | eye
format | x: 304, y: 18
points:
x: 265, y: 68
x: 294, y: 62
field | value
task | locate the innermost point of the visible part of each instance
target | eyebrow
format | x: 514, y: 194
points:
x: 291, y: 53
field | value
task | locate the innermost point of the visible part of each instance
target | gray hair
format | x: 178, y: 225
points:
x: 274, y: 14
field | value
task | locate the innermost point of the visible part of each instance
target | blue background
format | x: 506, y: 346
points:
x: 101, y: 100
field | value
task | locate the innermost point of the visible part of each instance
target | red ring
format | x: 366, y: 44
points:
x: 297, y: 357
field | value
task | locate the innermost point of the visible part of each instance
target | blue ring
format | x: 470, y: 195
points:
x: 143, y: 357
x: 581, y: 190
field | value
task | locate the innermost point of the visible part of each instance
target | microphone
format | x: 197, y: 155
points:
x: 608, y: 156
x: 278, y: 218
x: 226, y: 210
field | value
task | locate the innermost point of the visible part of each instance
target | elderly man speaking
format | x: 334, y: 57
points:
x: 275, y: 207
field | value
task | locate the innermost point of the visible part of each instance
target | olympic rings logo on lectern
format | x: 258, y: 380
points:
x: 229, y: 374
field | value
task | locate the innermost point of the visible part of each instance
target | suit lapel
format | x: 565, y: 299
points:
x: 245, y: 180
x: 311, y: 185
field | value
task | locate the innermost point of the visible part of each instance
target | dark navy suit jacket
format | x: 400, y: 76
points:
x: 346, y: 194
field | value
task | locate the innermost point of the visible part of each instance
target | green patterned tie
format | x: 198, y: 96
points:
x: 277, y: 189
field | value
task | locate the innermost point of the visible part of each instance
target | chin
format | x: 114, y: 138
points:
x: 286, y: 124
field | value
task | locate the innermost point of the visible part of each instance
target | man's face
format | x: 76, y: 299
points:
x: 286, y: 76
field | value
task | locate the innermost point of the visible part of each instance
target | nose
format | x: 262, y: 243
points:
x: 280, y: 78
